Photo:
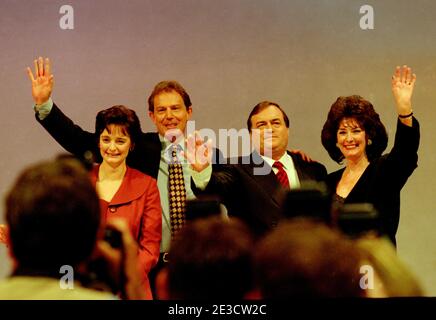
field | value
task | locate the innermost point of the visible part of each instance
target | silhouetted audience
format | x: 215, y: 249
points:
x: 209, y: 259
x: 54, y: 223
x: 304, y: 258
x: 392, y: 278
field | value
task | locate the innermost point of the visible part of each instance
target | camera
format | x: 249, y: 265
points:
x: 113, y: 237
x: 100, y: 274
x: 202, y: 207
x: 356, y: 219
x: 311, y: 201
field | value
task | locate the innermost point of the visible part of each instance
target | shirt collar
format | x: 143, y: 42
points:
x: 165, y: 143
x: 166, y: 151
x: 286, y: 160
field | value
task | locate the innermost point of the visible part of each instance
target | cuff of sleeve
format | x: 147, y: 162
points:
x: 42, y: 110
x: 201, y: 179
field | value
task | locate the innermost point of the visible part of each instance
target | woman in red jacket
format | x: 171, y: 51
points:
x: 126, y: 192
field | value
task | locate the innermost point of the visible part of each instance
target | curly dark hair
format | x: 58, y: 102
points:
x: 118, y: 115
x: 362, y: 111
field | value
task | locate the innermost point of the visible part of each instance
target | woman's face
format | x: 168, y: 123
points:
x: 114, y: 146
x: 351, y: 139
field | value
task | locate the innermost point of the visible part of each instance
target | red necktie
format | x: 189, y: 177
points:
x: 281, y: 174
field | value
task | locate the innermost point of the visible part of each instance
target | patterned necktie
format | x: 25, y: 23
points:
x: 281, y: 174
x: 176, y: 193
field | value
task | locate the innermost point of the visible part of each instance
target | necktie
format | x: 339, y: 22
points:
x: 176, y: 193
x: 281, y: 174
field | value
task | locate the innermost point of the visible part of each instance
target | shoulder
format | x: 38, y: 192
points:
x: 336, y: 173
x: 139, y: 177
x: 136, y: 185
x: 41, y: 288
x: 334, y: 177
x: 150, y: 135
x: 150, y: 139
x: 217, y: 156
x: 312, y: 165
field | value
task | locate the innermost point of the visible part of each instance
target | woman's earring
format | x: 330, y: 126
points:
x: 369, y: 142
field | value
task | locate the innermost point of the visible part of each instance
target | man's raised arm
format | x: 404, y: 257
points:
x: 70, y: 136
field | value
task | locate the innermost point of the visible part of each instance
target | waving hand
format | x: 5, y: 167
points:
x: 42, y: 81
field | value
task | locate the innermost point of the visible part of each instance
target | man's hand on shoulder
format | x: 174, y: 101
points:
x: 304, y: 156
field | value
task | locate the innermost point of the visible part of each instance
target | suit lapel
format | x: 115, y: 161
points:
x: 155, y: 154
x: 268, y: 182
x: 298, y: 165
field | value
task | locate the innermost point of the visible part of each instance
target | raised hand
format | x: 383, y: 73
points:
x: 198, y: 153
x: 403, y: 83
x: 42, y: 81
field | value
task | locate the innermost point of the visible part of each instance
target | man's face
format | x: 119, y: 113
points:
x: 170, y: 114
x: 273, y: 132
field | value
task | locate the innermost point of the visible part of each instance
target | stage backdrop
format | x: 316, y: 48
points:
x: 229, y: 54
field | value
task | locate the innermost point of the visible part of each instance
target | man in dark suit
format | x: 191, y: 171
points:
x: 254, y: 187
x: 169, y: 107
x: 173, y: 110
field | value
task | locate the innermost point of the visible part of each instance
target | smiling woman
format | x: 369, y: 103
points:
x: 353, y: 132
x: 114, y: 145
x: 125, y: 192
x: 351, y: 139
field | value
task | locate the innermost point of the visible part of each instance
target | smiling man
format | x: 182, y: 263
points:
x: 169, y: 107
x: 257, y: 196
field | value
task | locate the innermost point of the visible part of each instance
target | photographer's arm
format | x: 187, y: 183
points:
x: 124, y: 260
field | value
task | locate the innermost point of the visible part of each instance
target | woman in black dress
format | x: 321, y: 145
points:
x: 354, y: 133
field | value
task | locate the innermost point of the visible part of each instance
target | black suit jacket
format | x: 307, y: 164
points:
x: 145, y: 156
x: 256, y: 199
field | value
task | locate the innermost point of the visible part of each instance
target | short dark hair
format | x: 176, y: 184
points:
x: 118, y: 115
x: 210, y: 259
x: 53, y: 215
x: 362, y: 111
x: 262, y: 106
x: 305, y: 258
x: 168, y: 86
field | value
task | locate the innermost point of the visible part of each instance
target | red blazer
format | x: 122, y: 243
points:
x: 138, y: 202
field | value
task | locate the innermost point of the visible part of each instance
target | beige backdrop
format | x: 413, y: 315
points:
x: 229, y: 54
